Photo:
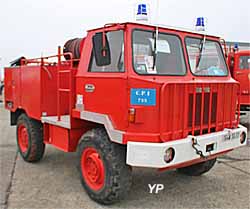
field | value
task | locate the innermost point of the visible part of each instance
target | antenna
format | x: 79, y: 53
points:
x: 156, y: 34
x: 157, y: 11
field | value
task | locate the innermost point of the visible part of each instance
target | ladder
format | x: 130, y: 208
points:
x: 61, y: 90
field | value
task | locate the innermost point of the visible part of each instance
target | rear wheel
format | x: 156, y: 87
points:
x: 30, y: 138
x: 102, y: 165
x: 197, y: 169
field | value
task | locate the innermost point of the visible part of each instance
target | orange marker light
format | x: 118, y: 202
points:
x: 131, y: 115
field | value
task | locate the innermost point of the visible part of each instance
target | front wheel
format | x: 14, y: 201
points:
x: 197, y: 169
x: 102, y: 165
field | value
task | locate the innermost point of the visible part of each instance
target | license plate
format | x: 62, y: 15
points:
x: 231, y: 136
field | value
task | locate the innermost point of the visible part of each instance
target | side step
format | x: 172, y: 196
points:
x: 64, y: 122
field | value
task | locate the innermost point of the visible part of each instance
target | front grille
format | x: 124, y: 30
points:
x: 195, y: 109
x: 198, y: 118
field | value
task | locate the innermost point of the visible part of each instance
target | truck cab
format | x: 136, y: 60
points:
x: 162, y: 95
x: 128, y: 95
x: 239, y: 64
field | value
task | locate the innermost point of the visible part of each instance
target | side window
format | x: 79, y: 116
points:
x: 116, y: 44
x: 244, y: 62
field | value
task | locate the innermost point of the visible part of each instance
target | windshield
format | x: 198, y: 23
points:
x: 167, y: 59
x: 205, y: 57
x: 244, y: 62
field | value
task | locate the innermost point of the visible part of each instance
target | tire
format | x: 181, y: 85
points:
x: 112, y: 178
x: 1, y: 90
x: 30, y: 139
x: 2, y: 94
x: 197, y: 169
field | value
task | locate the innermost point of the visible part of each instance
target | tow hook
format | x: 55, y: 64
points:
x: 198, y: 152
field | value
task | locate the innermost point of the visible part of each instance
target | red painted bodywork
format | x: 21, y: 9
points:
x: 179, y: 109
x: 241, y: 75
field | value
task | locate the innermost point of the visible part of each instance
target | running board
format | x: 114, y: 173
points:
x: 64, y: 122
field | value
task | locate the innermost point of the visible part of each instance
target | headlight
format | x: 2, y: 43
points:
x: 243, y: 137
x: 169, y: 155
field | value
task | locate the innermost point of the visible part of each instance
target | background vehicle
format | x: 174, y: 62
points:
x: 239, y: 64
x: 127, y: 95
x: 1, y: 90
x: 1, y: 87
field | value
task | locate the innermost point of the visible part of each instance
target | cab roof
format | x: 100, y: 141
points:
x: 156, y: 25
x: 242, y: 52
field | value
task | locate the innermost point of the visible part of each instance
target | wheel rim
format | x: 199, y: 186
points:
x: 92, y: 169
x: 23, y: 138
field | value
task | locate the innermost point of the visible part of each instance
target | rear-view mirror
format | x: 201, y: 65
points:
x: 101, y: 49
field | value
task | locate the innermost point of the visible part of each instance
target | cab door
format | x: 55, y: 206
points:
x: 105, y: 87
x: 242, y: 74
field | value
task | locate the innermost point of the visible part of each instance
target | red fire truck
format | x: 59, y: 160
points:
x: 239, y: 65
x: 127, y: 95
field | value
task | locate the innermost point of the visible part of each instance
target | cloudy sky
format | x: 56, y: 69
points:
x: 34, y: 28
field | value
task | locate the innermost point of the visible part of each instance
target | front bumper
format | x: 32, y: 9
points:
x: 144, y: 154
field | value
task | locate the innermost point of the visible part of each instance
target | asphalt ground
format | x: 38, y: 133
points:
x: 54, y: 182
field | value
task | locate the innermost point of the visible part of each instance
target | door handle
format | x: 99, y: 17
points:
x: 89, y: 88
x: 238, y: 73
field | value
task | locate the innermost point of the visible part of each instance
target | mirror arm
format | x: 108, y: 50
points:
x: 118, y: 26
x: 104, y: 44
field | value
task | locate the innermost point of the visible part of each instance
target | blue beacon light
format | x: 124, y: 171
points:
x: 236, y: 47
x: 142, y: 9
x: 142, y: 12
x: 200, y: 24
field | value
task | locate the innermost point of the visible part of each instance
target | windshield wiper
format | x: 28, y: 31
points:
x: 202, y: 43
x: 155, y: 48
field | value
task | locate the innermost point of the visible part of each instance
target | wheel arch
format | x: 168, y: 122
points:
x: 14, y: 116
x: 103, y: 120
